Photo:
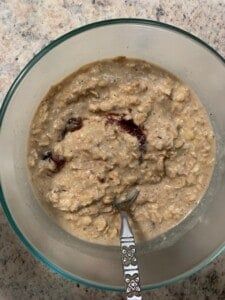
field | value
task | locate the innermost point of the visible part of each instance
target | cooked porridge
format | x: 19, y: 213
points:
x: 112, y: 125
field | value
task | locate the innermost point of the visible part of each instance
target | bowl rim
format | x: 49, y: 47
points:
x: 31, y: 248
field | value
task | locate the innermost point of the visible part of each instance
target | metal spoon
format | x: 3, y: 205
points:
x: 128, y: 249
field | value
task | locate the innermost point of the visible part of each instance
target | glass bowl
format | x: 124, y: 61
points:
x: 180, y: 252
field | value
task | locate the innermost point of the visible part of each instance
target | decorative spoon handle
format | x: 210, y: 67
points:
x: 129, y: 260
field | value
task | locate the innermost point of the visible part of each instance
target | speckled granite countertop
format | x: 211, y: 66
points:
x: 26, y: 26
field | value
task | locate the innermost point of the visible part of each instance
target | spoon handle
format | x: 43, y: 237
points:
x: 129, y: 260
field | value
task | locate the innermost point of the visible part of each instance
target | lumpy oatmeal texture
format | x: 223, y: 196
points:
x: 113, y: 125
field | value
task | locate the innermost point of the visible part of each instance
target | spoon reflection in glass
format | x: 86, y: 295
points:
x: 128, y: 248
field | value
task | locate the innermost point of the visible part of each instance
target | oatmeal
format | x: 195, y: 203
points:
x: 113, y: 125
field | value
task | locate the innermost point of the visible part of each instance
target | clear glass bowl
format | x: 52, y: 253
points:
x: 183, y: 250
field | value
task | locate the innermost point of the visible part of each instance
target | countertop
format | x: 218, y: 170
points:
x: 26, y: 26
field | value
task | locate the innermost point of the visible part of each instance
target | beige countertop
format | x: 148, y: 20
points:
x: 26, y: 26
